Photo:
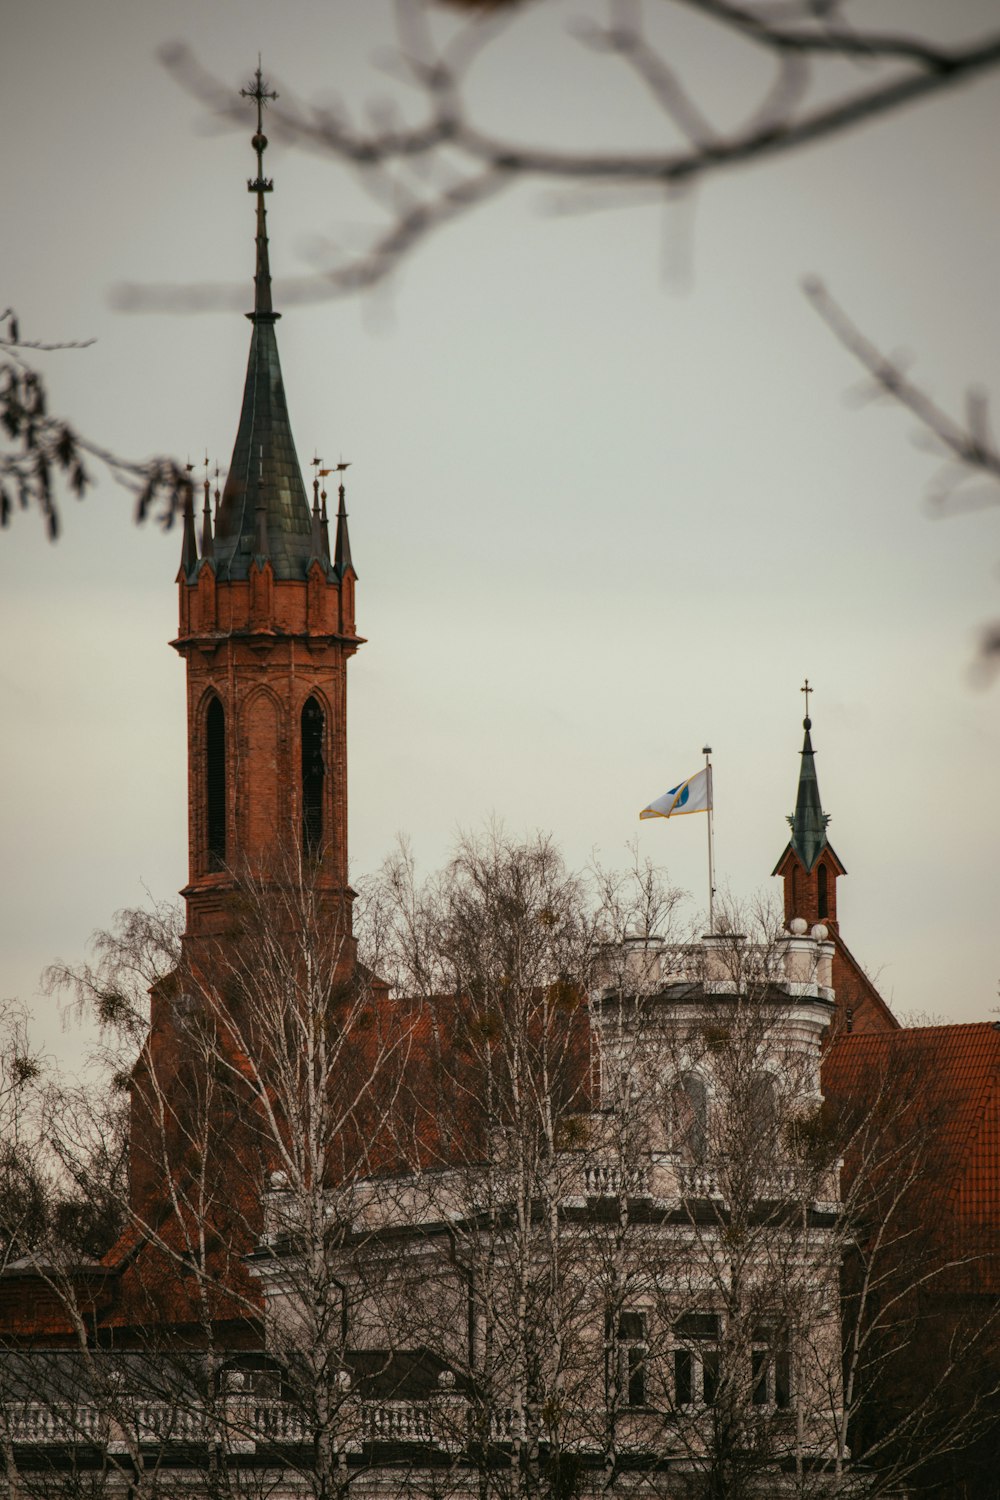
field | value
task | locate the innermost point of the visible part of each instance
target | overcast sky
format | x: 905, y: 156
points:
x: 609, y: 498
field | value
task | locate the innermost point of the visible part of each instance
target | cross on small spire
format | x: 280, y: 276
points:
x: 805, y: 688
x: 260, y: 94
x: 258, y: 91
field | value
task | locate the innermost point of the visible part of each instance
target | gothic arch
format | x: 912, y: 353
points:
x: 262, y: 779
x: 322, y: 698
x: 215, y: 781
x: 261, y: 690
x: 313, y: 770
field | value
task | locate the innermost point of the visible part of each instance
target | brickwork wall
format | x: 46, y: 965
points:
x: 860, y: 1007
x: 263, y: 648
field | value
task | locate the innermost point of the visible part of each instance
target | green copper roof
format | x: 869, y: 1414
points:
x: 809, y: 821
x: 264, y: 471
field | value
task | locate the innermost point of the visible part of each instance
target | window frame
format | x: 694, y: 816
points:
x: 312, y: 781
x: 695, y: 1363
x: 216, y: 783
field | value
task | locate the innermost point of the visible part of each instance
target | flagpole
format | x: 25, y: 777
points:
x: 707, y: 752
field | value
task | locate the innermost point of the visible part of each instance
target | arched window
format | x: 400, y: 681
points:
x: 763, y: 1111
x: 691, y: 1117
x: 822, y: 899
x: 215, y: 785
x: 313, y: 774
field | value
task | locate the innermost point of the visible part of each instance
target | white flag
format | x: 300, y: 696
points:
x: 691, y: 796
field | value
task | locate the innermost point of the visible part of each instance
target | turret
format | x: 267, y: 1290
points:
x: 809, y: 869
x: 809, y: 865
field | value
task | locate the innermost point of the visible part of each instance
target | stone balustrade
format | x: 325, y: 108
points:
x: 603, y: 1180
x: 697, y: 1180
x: 239, y: 1423
x: 397, y: 1421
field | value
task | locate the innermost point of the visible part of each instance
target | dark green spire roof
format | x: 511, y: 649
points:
x: 265, y: 467
x: 809, y: 821
x: 342, y: 558
x: 189, y: 544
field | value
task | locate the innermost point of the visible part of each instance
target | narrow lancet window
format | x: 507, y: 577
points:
x: 822, y: 899
x: 215, y: 785
x: 313, y: 775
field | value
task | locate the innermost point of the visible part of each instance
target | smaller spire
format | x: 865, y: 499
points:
x: 809, y: 821
x: 207, y: 540
x: 189, y: 545
x: 325, y: 520
x: 261, y: 96
x: 342, y: 555
x: 320, y: 541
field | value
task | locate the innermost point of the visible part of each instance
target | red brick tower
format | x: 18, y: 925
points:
x: 810, y: 869
x: 266, y: 630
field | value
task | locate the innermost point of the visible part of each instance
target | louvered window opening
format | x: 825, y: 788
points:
x: 313, y: 775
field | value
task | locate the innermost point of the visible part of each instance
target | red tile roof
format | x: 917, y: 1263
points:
x: 946, y: 1082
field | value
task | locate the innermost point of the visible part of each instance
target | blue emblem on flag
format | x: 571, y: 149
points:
x: 683, y: 796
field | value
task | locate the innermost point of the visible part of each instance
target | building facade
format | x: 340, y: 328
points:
x: 542, y: 1234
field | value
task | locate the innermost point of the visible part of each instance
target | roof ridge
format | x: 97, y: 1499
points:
x: 863, y: 974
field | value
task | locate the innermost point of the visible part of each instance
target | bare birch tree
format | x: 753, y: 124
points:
x: 551, y: 1207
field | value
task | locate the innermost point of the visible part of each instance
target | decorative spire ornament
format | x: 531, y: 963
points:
x: 342, y: 557
x: 261, y: 96
x: 207, y: 542
x: 189, y: 543
x: 264, y: 500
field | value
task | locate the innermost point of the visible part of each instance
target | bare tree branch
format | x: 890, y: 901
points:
x: 790, y: 115
x: 970, y: 447
x: 972, y: 444
x: 40, y: 450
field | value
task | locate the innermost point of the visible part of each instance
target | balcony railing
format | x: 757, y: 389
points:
x: 697, y: 1180
x: 704, y: 1180
x: 40, y: 1423
x: 237, y: 1424
x: 607, y: 1181
x: 447, y: 1424
x: 397, y: 1422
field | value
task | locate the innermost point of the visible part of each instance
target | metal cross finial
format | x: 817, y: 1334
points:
x: 805, y: 688
x: 259, y: 94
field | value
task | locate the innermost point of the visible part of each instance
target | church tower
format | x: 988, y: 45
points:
x: 810, y: 869
x: 266, y: 630
x: 809, y: 866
